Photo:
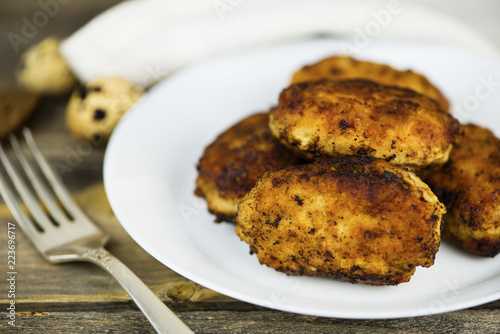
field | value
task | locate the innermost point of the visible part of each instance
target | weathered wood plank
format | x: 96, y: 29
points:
x: 38, y: 280
x: 126, y: 320
x: 68, y: 18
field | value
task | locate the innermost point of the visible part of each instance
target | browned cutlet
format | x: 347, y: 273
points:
x: 360, y: 220
x: 342, y: 67
x: 363, y: 118
x: 232, y: 164
x: 469, y: 186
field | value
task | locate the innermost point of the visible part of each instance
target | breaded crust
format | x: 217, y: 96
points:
x: 469, y: 186
x: 363, y: 118
x: 359, y: 220
x: 341, y: 67
x: 232, y: 164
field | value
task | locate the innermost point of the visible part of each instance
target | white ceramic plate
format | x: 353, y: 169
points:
x: 149, y: 177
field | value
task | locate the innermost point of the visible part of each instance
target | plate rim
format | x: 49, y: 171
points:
x: 217, y: 287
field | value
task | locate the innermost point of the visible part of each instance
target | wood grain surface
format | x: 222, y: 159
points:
x: 81, y: 298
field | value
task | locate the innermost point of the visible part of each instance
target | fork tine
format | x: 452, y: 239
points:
x: 26, y: 195
x: 62, y: 193
x: 82, y: 241
x: 26, y: 224
x: 43, y: 193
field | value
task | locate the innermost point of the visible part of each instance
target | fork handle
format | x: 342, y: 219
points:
x: 160, y: 316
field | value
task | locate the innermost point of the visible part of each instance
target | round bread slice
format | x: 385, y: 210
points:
x: 363, y: 118
x: 15, y: 108
x: 342, y: 67
x: 232, y: 164
x: 359, y: 220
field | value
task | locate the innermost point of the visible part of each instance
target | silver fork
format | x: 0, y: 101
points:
x: 67, y: 234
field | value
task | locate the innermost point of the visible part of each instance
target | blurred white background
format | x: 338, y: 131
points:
x: 483, y: 15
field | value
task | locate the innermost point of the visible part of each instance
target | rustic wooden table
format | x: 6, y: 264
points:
x: 82, y: 298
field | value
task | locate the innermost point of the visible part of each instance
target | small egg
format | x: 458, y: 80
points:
x: 43, y: 70
x: 94, y: 109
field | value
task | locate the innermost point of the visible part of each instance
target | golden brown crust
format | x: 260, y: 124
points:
x: 360, y: 220
x: 363, y: 118
x: 232, y: 164
x: 15, y: 108
x: 469, y: 186
x: 341, y: 67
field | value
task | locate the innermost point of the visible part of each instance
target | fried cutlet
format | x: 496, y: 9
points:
x: 469, y: 185
x: 360, y: 220
x: 341, y: 67
x: 363, y: 118
x: 232, y: 164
